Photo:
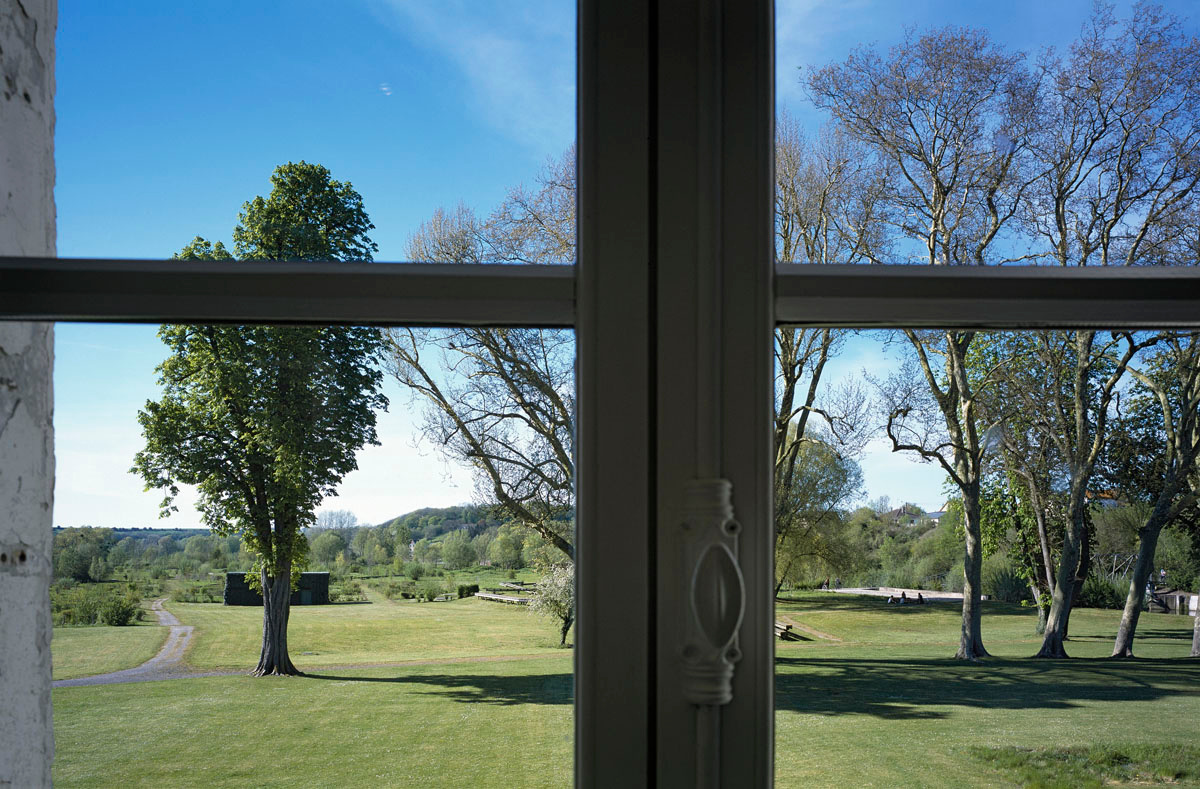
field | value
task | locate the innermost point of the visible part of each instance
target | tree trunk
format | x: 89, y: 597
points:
x: 1037, y: 602
x: 1147, y: 544
x: 1064, y: 591
x: 277, y: 600
x: 970, y: 645
x: 1196, y: 634
x: 566, y: 625
x: 1123, y: 648
x: 1081, y: 574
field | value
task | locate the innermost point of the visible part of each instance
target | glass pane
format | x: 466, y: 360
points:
x: 454, y: 126
x: 951, y: 505
x: 946, y: 133
x: 379, y: 132
x: 434, y: 614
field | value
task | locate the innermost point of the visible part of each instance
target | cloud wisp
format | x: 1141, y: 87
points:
x: 517, y: 63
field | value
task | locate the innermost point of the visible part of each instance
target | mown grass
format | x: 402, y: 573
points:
x: 99, y: 649
x: 885, y: 706
x: 380, y: 631
x: 1085, y: 768
x: 503, y: 724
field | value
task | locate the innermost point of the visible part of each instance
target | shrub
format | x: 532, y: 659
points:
x: 954, y: 580
x: 119, y: 611
x: 415, y: 570
x: 467, y: 590
x: 1100, y: 592
x: 1002, y: 582
x: 429, y: 590
x: 393, y: 589
x: 88, y: 604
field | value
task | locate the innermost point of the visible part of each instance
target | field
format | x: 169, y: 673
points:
x: 478, y: 695
x: 80, y: 651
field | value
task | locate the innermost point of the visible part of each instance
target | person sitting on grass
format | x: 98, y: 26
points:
x: 903, y: 598
x: 891, y: 600
x: 920, y: 599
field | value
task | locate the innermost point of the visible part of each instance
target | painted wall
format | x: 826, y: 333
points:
x: 27, y: 227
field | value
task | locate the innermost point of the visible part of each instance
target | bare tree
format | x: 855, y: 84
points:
x: 1118, y: 149
x: 827, y: 207
x: 502, y: 400
x: 947, y: 117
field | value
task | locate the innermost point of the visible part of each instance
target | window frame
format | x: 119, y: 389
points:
x: 674, y: 297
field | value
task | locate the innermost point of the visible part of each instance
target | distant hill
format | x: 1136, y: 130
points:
x: 430, y: 522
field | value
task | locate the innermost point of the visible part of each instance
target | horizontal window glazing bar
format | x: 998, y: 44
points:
x: 174, y: 291
x: 987, y: 297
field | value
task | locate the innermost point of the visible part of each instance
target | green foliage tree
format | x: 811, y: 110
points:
x: 555, y: 597
x: 79, y: 553
x: 457, y: 550
x: 426, y: 551
x: 265, y: 420
x: 1159, y: 458
x: 505, y: 550
x: 810, y: 535
x: 327, y: 546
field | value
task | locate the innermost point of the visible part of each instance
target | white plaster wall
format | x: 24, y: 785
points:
x: 27, y: 227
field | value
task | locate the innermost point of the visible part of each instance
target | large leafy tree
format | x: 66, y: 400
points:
x: 265, y: 420
x: 1153, y: 458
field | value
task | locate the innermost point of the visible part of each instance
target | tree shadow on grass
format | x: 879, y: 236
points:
x: 484, y: 688
x: 928, y: 688
x: 1162, y: 632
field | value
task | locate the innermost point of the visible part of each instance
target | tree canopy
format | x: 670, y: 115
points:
x: 265, y: 421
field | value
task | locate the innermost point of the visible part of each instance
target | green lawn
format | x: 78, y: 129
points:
x: 381, y: 631
x: 83, y: 651
x: 883, y: 706
x: 886, y: 706
x: 504, y: 724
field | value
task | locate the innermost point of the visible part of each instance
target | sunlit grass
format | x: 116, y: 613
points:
x: 885, y: 706
x: 83, y: 651
x: 468, y: 724
x: 1096, y: 766
x: 381, y: 631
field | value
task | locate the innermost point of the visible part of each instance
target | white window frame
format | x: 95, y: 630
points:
x: 674, y: 301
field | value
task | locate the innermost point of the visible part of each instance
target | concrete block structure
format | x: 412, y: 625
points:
x: 27, y: 227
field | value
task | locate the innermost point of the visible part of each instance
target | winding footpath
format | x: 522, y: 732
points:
x: 167, y: 664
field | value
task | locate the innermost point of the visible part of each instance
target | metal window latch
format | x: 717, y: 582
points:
x: 716, y: 594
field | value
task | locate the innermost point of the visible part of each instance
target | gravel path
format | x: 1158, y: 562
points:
x: 167, y: 664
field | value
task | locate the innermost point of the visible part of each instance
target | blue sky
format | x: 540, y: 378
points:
x: 171, y: 115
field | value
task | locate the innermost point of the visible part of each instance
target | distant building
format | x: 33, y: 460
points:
x: 1103, y: 498
x: 313, y: 590
x: 905, y: 515
x: 936, y: 516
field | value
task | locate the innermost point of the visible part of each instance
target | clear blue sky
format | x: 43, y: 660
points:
x: 171, y: 115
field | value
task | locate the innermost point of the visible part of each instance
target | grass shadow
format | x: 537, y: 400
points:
x: 484, y: 688
x: 1152, y: 632
x: 928, y: 688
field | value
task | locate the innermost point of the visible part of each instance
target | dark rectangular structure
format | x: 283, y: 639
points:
x: 313, y: 590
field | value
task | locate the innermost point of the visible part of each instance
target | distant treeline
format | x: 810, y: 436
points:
x: 430, y: 522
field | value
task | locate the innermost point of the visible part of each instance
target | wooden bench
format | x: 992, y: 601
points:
x: 505, y: 598
x: 784, y: 632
